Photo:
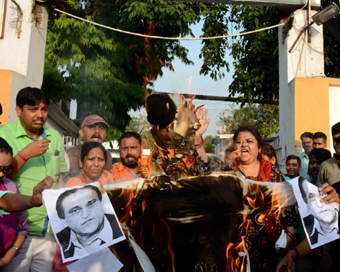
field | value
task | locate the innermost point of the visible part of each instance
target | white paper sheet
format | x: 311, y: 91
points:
x: 82, y: 223
x: 320, y: 221
x: 101, y: 261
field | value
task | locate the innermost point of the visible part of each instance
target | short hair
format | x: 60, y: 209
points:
x: 336, y: 128
x: 31, y: 96
x: 59, y: 204
x: 320, y: 135
x: 294, y: 157
x: 307, y: 135
x: 320, y: 154
x: 130, y: 134
x: 302, y: 189
x: 86, y: 148
x: 5, y: 147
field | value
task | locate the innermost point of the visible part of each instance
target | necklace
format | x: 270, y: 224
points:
x: 251, y: 177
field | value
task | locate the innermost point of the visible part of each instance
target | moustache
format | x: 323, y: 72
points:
x: 130, y: 156
x: 39, y: 119
x: 96, y: 136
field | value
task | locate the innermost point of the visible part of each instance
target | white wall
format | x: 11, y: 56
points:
x: 334, y: 110
x: 305, y: 60
x: 24, y: 55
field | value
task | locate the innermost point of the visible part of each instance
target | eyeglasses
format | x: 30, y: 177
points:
x: 78, y: 210
x: 314, y: 199
x: 6, y: 169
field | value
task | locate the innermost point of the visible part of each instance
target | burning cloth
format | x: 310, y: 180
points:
x: 195, y: 223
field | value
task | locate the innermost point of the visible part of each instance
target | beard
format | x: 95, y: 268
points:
x: 130, y: 164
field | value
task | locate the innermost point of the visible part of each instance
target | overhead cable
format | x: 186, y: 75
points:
x: 174, y: 38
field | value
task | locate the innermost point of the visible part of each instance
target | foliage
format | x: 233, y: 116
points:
x: 256, y: 57
x: 141, y: 126
x: 264, y: 117
x: 110, y: 73
x: 208, y: 146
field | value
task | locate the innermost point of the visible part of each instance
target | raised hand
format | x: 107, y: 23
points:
x: 35, y: 149
x: 202, y: 115
x: 332, y: 195
x: 46, y: 183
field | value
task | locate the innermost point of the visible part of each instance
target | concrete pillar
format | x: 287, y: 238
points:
x: 21, y: 59
x: 308, y: 100
x: 306, y: 60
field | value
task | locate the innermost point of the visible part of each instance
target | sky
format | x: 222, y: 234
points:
x: 186, y: 79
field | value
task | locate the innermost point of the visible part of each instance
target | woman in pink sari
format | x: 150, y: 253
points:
x: 92, y: 160
x: 13, y: 226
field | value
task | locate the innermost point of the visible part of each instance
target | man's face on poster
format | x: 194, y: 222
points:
x: 83, y: 212
x: 323, y: 212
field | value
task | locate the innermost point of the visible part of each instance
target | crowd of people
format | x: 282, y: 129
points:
x: 33, y: 158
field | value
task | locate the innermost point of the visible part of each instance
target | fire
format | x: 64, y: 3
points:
x: 236, y: 253
x: 131, y: 215
x: 257, y: 198
x: 169, y: 249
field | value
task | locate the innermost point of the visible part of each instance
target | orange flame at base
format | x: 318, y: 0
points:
x: 236, y: 253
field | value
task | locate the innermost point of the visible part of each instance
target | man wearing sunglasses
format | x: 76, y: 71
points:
x: 38, y: 153
x: 88, y: 226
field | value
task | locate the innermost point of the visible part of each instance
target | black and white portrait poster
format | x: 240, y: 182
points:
x: 82, y: 219
x: 320, y: 220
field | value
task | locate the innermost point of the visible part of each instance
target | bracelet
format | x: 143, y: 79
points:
x: 22, y: 157
x: 17, y: 249
x: 197, y: 146
x: 296, y: 253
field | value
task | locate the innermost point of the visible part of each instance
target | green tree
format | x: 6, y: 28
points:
x: 256, y: 57
x: 110, y: 73
x: 208, y: 145
x: 264, y: 117
x: 141, y: 126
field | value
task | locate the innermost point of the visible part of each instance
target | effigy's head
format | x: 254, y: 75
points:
x: 173, y: 129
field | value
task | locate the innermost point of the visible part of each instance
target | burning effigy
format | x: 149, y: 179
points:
x: 195, y: 223
x: 182, y: 217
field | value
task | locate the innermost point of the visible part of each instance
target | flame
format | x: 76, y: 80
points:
x: 256, y: 200
x: 134, y: 221
x: 169, y: 249
x: 127, y: 194
x: 236, y: 253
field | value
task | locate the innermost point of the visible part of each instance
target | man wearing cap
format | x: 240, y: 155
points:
x: 93, y: 129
